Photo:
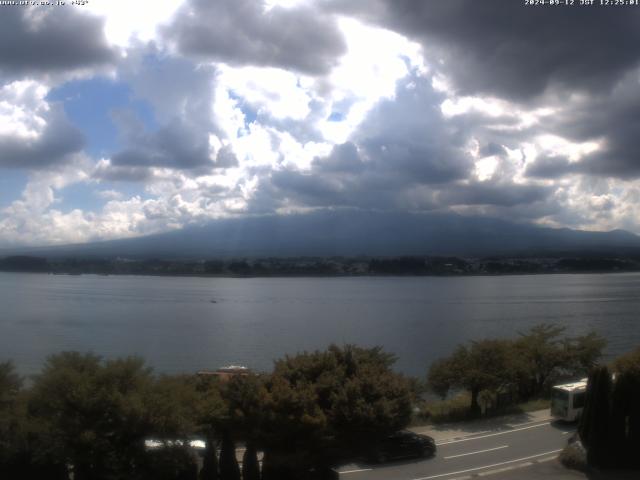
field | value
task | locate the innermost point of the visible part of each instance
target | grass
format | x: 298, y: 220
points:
x: 456, y: 409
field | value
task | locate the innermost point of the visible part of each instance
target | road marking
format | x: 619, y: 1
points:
x: 526, y: 423
x: 494, y: 434
x: 488, y: 466
x: 479, y: 451
x: 356, y: 471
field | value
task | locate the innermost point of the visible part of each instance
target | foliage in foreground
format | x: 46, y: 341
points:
x: 610, y: 423
x: 523, y: 368
x: 90, y: 417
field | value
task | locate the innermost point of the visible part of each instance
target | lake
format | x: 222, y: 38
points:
x: 183, y: 324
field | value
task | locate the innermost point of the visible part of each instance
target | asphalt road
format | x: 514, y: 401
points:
x: 471, y: 455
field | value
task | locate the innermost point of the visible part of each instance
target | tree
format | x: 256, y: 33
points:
x: 583, y: 353
x: 542, y: 350
x: 12, y: 423
x: 229, y: 469
x: 595, y: 422
x: 626, y: 407
x: 209, y: 469
x: 250, y: 465
x: 323, y: 404
x: 245, y: 397
x: 545, y: 355
x: 484, y: 365
x: 93, y: 414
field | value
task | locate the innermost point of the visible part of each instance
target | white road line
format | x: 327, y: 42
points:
x: 488, y: 466
x: 356, y: 471
x: 494, y: 434
x: 479, y: 451
x: 527, y: 423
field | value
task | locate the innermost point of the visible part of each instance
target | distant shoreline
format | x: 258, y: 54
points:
x: 325, y: 267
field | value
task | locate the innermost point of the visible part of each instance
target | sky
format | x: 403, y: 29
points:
x: 123, y: 118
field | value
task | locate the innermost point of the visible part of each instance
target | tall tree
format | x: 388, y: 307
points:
x: 318, y: 403
x: 93, y: 414
x: 595, y: 424
x: 250, y: 465
x: 229, y: 469
x: 484, y: 365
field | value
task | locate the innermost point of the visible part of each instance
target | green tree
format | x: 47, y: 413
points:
x: 250, y: 465
x: 229, y: 469
x: 212, y: 417
x: 483, y: 365
x: 626, y: 408
x: 209, y: 469
x: 322, y: 403
x: 93, y: 415
x: 545, y: 354
x: 245, y: 397
x: 594, y: 425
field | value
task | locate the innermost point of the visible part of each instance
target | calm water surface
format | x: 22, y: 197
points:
x: 176, y: 326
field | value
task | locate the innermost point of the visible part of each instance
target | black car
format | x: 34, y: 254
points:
x: 403, y: 444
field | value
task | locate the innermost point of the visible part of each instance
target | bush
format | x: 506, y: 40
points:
x: 574, y: 456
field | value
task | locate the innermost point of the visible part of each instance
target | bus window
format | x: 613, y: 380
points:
x: 578, y: 400
x: 559, y: 402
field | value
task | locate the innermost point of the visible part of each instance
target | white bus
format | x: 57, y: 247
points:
x: 567, y: 401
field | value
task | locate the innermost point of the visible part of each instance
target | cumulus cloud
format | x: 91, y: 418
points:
x: 262, y: 107
x: 245, y: 32
x: 182, y: 96
x: 503, y: 48
x: 50, y: 40
x: 34, y: 132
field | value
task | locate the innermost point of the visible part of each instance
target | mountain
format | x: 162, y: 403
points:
x: 350, y: 233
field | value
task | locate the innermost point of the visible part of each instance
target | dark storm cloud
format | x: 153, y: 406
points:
x: 493, y: 193
x: 43, y: 40
x: 505, y: 48
x: 174, y: 145
x: 343, y: 158
x: 404, y: 144
x: 241, y: 32
x: 409, y: 137
x: 549, y: 167
x: 317, y: 190
x: 53, y: 145
x: 611, y: 120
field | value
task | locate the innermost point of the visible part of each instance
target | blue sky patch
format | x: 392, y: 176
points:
x: 89, y: 103
x: 12, y: 183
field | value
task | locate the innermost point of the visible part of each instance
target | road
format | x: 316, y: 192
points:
x: 493, y: 450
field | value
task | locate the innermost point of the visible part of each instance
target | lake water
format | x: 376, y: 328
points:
x: 186, y: 324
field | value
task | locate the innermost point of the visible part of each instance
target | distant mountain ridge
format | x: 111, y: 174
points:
x: 351, y: 233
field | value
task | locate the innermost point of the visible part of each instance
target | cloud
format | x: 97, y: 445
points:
x: 493, y: 193
x: 182, y: 97
x: 50, y: 40
x: 244, y: 32
x: 502, y: 47
x: 226, y: 158
x: 550, y: 167
x: 611, y: 119
x: 408, y: 136
x: 34, y: 133
x: 174, y: 145
x: 105, y: 170
x: 405, y: 144
x: 343, y: 158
